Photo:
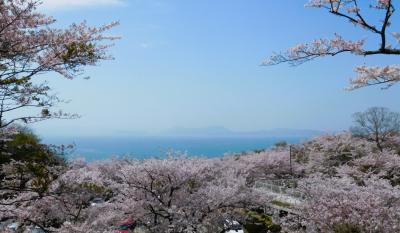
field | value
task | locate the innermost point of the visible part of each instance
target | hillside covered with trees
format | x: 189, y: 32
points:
x: 348, y: 182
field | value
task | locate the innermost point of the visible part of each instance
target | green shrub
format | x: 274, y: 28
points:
x: 281, y: 204
x: 281, y: 144
x: 258, y: 222
x: 34, y: 161
x: 346, y: 228
x: 27, y: 147
x: 300, y: 155
x: 259, y: 151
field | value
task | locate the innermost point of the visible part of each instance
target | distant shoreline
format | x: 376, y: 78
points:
x: 101, y: 147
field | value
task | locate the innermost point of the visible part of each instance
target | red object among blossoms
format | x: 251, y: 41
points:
x: 127, y: 225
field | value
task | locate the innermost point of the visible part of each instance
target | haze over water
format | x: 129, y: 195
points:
x: 100, y: 148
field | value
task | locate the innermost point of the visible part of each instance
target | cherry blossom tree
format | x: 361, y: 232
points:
x: 341, y: 205
x: 355, y: 12
x: 30, y: 47
x: 175, y: 194
x: 326, y: 153
x: 187, y: 195
x: 384, y: 165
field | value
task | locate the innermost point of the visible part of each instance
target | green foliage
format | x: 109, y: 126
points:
x: 259, y: 222
x: 26, y: 147
x: 34, y: 161
x: 45, y: 112
x: 339, y: 159
x: 259, y: 151
x: 281, y: 144
x: 193, y: 184
x: 76, y: 52
x: 15, y: 81
x: 346, y: 228
x: 281, y: 203
x: 93, y: 188
x: 300, y: 155
x: 393, y: 177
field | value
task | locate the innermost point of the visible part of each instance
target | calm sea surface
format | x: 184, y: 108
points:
x: 100, y: 148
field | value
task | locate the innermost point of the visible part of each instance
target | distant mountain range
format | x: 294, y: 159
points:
x: 224, y: 132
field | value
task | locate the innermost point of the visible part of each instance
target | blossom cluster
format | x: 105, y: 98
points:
x: 367, y: 75
x: 355, y: 12
x: 318, y: 48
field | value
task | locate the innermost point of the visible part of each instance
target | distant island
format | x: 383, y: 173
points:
x: 220, y: 131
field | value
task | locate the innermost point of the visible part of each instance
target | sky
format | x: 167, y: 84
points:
x: 194, y: 64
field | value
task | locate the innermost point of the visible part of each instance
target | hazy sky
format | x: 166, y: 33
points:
x: 193, y: 63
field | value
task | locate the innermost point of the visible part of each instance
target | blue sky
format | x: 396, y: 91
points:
x: 196, y: 64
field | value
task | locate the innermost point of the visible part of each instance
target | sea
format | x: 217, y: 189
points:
x: 102, y: 148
